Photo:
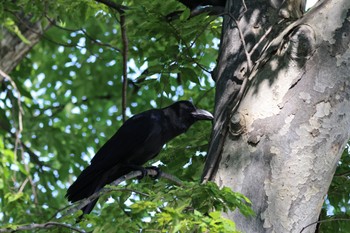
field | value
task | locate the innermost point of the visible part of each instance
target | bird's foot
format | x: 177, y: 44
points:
x: 143, y: 173
x: 158, y: 171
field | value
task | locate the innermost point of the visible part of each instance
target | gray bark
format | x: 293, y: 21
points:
x: 281, y: 146
x: 13, y: 49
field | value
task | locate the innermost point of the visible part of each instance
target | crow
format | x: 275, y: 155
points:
x: 192, y: 4
x: 138, y: 140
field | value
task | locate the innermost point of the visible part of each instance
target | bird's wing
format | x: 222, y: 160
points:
x: 137, y: 141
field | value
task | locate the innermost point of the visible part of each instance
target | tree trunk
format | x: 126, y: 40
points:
x: 281, y: 121
x: 13, y: 49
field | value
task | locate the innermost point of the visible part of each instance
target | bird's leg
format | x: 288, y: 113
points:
x: 144, y: 172
x: 157, y: 169
x: 138, y: 168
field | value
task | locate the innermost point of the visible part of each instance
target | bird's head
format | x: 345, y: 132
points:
x: 183, y: 114
x: 187, y: 109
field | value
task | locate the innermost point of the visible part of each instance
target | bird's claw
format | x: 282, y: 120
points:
x: 143, y: 173
x: 157, y: 169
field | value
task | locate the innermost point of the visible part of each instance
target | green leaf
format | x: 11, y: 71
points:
x: 73, y: 68
x: 12, y: 27
x: 189, y: 74
x: 11, y: 197
x: 185, y: 14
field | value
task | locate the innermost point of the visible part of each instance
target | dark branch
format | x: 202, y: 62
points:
x: 325, y: 220
x: 33, y: 226
x: 344, y: 174
x: 134, y: 174
x: 118, y: 7
x: 99, y: 42
x: 125, y: 64
x: 88, y: 36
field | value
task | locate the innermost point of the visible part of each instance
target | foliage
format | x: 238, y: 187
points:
x: 71, y: 88
x: 335, y: 215
x: 71, y: 93
x: 171, y: 208
x: 165, y: 207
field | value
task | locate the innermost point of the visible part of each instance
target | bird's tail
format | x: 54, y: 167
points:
x: 87, y: 183
x: 90, y: 181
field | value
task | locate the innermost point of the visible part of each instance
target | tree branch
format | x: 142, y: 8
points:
x: 344, y: 174
x: 118, y: 7
x: 149, y: 171
x: 99, y: 42
x: 187, y: 48
x: 20, y: 109
x: 241, y: 36
x: 125, y: 64
x: 78, y: 205
x: 34, y: 226
x: 262, y: 38
x: 18, y: 134
x: 325, y: 220
x: 19, y: 129
x: 96, y: 41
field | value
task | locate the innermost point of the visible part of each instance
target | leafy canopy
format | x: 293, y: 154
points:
x: 71, y: 86
x: 71, y: 94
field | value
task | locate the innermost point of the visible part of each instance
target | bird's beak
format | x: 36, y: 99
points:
x: 201, y: 114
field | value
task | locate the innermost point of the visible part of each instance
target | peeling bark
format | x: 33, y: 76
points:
x: 281, y: 147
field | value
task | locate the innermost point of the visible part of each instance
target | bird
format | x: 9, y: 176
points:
x: 137, y: 141
x: 212, y: 7
x: 192, y: 4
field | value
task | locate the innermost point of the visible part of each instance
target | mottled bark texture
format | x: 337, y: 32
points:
x: 12, y: 48
x: 281, y: 144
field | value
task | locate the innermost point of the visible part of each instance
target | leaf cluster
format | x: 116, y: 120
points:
x: 192, y: 207
x: 71, y: 93
x: 335, y: 213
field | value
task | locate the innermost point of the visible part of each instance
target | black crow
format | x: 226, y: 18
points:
x: 138, y: 140
x: 192, y: 4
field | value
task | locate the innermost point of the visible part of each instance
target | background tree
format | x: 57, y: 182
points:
x: 92, y: 69
x: 100, y: 62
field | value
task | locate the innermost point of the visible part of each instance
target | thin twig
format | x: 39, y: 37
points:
x: 241, y: 36
x: 249, y: 60
x: 245, y: 9
x: 187, y: 48
x: 20, y: 109
x: 125, y: 64
x: 23, y: 185
x: 53, y: 22
x: 45, y: 37
x: 33, y: 226
x: 323, y: 221
x: 345, y: 174
x: 260, y: 40
x: 84, y: 32
x: 19, y: 130
x: 99, y: 42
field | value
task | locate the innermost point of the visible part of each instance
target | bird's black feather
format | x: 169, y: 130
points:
x: 137, y: 141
